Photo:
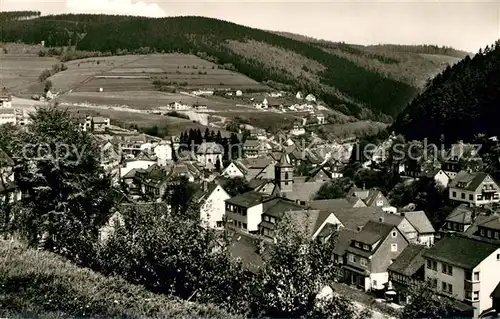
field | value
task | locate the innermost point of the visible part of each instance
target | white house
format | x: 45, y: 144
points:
x: 209, y: 152
x: 439, y: 176
x: 297, y: 130
x: 8, y: 115
x: 142, y: 161
x: 262, y: 105
x: 475, y: 188
x: 178, y: 106
x: 163, y: 152
x: 5, y: 101
x: 299, y: 96
x: 465, y: 269
x: 213, y: 207
x: 310, y: 98
x: 234, y: 170
x: 239, y: 93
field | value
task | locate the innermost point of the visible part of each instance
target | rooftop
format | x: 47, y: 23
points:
x: 409, y: 261
x: 420, y: 221
x: 248, y: 199
x: 468, y: 180
x: 461, y: 251
x: 373, y: 232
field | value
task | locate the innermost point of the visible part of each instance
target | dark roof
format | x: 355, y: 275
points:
x: 255, y: 183
x: 420, y: 222
x: 210, y: 148
x: 496, y: 292
x: 344, y: 239
x: 472, y: 180
x: 373, y: 231
x: 409, y: 261
x: 248, y: 199
x: 461, y: 251
x: 245, y: 247
x: 330, y: 204
x: 352, y: 218
x: 283, y: 161
x: 277, y: 206
x: 304, y: 191
x: 461, y: 214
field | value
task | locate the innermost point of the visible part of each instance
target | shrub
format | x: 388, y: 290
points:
x: 43, y: 283
x: 177, y: 114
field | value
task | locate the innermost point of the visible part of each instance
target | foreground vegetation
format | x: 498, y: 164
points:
x: 37, y: 282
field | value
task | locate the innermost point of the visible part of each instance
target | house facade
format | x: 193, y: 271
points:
x: 213, y: 208
x: 476, y: 189
x: 371, y: 252
x: 234, y: 170
x: 464, y: 268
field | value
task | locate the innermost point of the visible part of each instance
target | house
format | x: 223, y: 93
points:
x: 474, y: 188
x: 486, y: 226
x: 464, y: 268
x: 371, y: 197
x: 234, y: 169
x: 213, y: 207
x: 152, y: 182
x: 203, y: 92
x: 99, y: 124
x: 460, y: 219
x: 8, y: 115
x: 110, y: 156
x: 319, y: 174
x: 371, y: 252
x: 142, y: 161
x: 310, y: 98
x: 187, y: 170
x: 297, y: 130
x: 407, y: 271
x: 261, y: 104
x: 299, y: 96
x: 178, y: 106
x: 423, y: 227
x: 344, y: 239
x: 439, y: 176
x: 199, y: 107
x: 5, y: 100
x: 163, y: 152
x: 208, y: 153
x: 251, y: 148
x: 239, y: 93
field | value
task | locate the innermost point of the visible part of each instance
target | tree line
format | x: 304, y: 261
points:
x: 196, y: 34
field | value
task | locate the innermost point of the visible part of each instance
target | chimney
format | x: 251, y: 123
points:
x: 381, y: 219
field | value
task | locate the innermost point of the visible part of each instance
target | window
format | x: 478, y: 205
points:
x: 363, y: 261
x: 448, y: 288
x: 476, y: 276
x: 244, y: 226
x: 454, y: 194
x: 496, y: 235
x: 429, y: 264
x: 352, y: 258
x: 447, y: 269
x: 479, y: 197
x: 266, y: 218
x: 357, y: 244
x: 482, y: 232
x: 374, y: 283
x: 434, y: 265
x: 498, y: 257
x: 476, y: 295
x: 366, y: 247
x: 219, y: 224
x: 394, y: 234
x: 468, y: 295
x: 272, y: 220
x: 380, y: 202
x: 434, y: 283
x: 471, y: 197
x: 462, y: 195
x: 489, y: 233
x: 394, y: 247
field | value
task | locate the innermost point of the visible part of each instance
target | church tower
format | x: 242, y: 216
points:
x: 283, y: 174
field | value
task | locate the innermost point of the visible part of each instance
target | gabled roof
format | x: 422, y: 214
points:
x: 330, y: 204
x: 251, y: 143
x: 472, y: 180
x: 373, y: 232
x: 304, y: 191
x: 496, y: 292
x: 245, y: 247
x: 373, y: 195
x: 409, y: 261
x: 488, y: 221
x: 248, y: 199
x: 277, y: 206
x: 345, y: 236
x: 461, y: 251
x: 352, y: 218
x: 283, y: 161
x: 420, y: 222
x: 461, y: 214
x: 210, y: 148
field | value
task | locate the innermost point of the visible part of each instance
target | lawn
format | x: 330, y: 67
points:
x: 19, y: 71
x: 271, y: 121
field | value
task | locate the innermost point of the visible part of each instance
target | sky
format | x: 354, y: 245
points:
x: 466, y: 25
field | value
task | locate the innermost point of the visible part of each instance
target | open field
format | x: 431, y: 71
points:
x: 19, y: 71
x: 143, y: 100
x: 271, y: 121
x: 137, y: 73
x: 357, y: 129
x: 175, y: 126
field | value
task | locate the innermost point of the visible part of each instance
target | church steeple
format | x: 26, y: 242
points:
x: 283, y: 174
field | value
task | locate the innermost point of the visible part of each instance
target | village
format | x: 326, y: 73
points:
x: 381, y: 250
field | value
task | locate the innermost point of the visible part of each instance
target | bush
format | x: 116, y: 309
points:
x: 41, y: 283
x: 177, y: 114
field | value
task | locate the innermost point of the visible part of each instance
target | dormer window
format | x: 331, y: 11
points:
x: 357, y: 244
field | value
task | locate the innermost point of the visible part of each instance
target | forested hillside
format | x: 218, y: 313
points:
x: 459, y: 103
x: 411, y: 64
x: 18, y: 15
x: 263, y: 56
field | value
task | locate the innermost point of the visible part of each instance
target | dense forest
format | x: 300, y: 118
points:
x: 18, y: 15
x: 341, y: 83
x: 459, y: 103
x: 421, y: 49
